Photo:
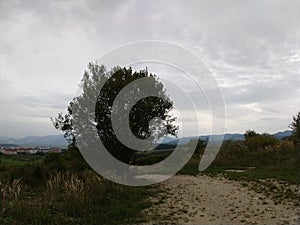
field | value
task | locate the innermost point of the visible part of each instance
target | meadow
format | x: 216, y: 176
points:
x: 62, y: 189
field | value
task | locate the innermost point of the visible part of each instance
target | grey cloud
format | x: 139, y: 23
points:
x: 56, y: 101
x: 275, y: 91
x: 252, y: 46
x: 244, y: 32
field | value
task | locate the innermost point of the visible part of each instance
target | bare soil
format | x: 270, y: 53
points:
x: 216, y: 200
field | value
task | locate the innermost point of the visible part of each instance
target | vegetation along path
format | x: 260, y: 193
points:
x: 203, y: 199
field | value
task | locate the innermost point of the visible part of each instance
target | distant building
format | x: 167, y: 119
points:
x: 28, y: 150
x: 54, y: 150
x: 9, y: 151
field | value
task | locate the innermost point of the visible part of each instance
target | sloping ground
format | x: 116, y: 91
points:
x: 216, y: 200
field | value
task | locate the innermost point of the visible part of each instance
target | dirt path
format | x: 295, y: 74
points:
x: 216, y: 200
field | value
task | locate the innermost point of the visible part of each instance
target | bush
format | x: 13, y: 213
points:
x: 284, y: 145
x: 295, y: 125
x: 70, y: 160
x: 66, y: 198
x: 151, y: 158
x: 260, y: 141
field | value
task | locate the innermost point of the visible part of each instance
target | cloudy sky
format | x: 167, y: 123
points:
x: 253, y: 48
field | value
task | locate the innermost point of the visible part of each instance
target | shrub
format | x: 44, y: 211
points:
x: 260, y: 141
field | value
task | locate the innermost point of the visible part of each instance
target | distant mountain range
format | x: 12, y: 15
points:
x: 236, y: 136
x: 59, y: 140
x: 35, y: 141
x: 283, y: 134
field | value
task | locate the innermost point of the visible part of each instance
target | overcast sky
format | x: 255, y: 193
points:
x: 252, y: 46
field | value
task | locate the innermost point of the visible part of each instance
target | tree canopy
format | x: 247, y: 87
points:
x: 295, y: 125
x: 143, y: 116
x: 255, y: 141
x: 250, y: 133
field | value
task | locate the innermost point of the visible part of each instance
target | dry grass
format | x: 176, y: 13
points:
x: 71, y: 198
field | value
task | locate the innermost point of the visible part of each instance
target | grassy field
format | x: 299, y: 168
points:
x: 272, y: 170
x: 280, y: 162
x: 62, y: 189
x: 20, y: 160
x: 151, y: 157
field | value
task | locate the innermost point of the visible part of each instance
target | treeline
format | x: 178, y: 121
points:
x: 260, y: 155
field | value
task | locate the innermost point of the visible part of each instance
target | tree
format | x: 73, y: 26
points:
x: 64, y: 123
x: 295, y: 126
x: 255, y: 141
x: 250, y: 133
x: 106, y: 85
x: 200, y: 146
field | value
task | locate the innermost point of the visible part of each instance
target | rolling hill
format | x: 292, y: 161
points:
x: 59, y: 140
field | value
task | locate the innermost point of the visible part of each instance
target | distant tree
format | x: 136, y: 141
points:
x: 255, y: 141
x: 200, y: 146
x: 63, y: 122
x: 106, y: 85
x: 295, y: 126
x: 250, y: 133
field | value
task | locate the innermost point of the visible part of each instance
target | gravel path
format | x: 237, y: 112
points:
x: 216, y: 200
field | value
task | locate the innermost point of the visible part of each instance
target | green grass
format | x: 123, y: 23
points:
x: 62, y: 189
x: 12, y: 162
x: 265, y: 173
x: 19, y: 160
x: 84, y: 198
x: 191, y: 168
x: 151, y: 158
x: 282, y: 164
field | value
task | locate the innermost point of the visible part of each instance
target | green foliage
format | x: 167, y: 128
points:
x: 233, y: 153
x: 19, y: 160
x: 31, y: 175
x: 200, y: 145
x: 151, y: 159
x: 256, y: 141
x: 250, y: 133
x: 191, y: 168
x: 280, y: 161
x: 295, y: 125
x: 63, y: 190
x: 6, y: 161
x: 71, y: 160
x: 64, y: 123
x: 110, y: 83
x: 83, y: 198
